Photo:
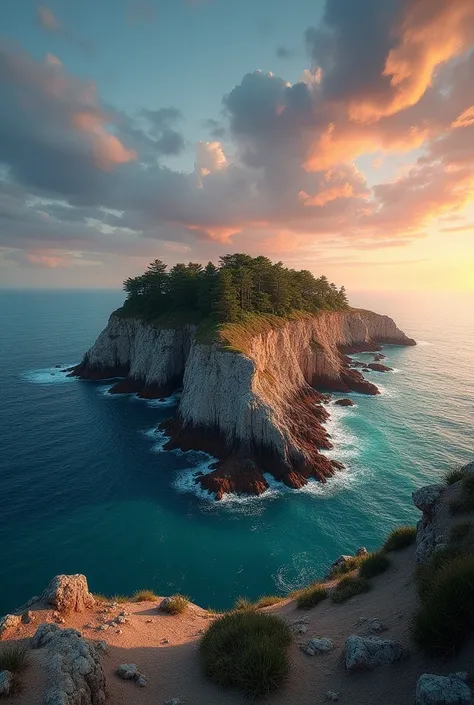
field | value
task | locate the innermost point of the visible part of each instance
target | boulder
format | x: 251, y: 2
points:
x: 342, y: 561
x: 69, y: 593
x: 173, y: 701
x: 366, y: 653
x: 371, y: 625
x: 128, y: 671
x: 319, y: 646
x: 344, y: 402
x: 332, y: 696
x: 6, y: 682
x: 45, y: 632
x: 442, y: 690
x: 426, y: 497
x: 377, y: 367
x: 27, y: 617
x: 8, y: 623
x: 75, y: 673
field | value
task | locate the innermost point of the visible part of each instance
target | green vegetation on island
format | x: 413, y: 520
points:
x: 240, y: 286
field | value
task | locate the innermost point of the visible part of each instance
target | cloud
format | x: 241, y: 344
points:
x: 283, y: 52
x: 168, y: 141
x: 82, y: 177
x: 48, y: 21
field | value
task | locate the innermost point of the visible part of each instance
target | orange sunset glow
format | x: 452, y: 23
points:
x: 354, y: 159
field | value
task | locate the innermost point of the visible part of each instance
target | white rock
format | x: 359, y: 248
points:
x: 427, y: 496
x: 6, y: 682
x: 316, y: 647
x: 442, y: 690
x: 141, y: 681
x: 69, y: 593
x: 371, y: 625
x: 8, y: 623
x: 128, y: 671
x: 331, y: 696
x: 75, y: 672
x: 366, y: 653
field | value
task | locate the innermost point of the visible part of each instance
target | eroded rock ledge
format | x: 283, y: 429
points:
x: 257, y: 411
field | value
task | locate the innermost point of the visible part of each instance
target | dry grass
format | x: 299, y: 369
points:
x: 311, y: 596
x: 400, y: 538
x: 14, y: 658
x: 176, y: 604
x: 144, y: 596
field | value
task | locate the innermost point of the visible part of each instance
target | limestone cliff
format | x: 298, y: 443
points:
x: 258, y: 410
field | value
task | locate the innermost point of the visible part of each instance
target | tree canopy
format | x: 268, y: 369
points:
x: 239, y: 285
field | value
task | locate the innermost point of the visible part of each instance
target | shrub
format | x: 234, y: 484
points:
x: 374, y: 564
x: 400, y: 538
x: 247, y: 650
x: 176, y: 604
x: 447, y: 612
x: 348, y: 566
x: 348, y: 587
x: 426, y: 573
x: 14, y: 658
x: 144, y: 596
x: 460, y: 531
x: 268, y: 601
x: 465, y: 503
x: 119, y: 598
x: 454, y: 476
x: 311, y: 596
x: 242, y: 603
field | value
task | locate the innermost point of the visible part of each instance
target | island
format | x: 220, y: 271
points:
x: 255, y: 348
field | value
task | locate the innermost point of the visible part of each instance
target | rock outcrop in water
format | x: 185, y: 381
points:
x: 258, y: 410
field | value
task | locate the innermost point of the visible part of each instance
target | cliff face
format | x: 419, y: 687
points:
x: 257, y: 412
x: 151, y: 359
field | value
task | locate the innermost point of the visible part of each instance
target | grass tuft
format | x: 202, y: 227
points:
x: 268, y: 601
x: 311, y: 596
x: 348, y: 566
x: 374, y: 564
x: 248, y: 651
x: 176, y: 604
x: 14, y: 658
x: 119, y: 598
x: 144, y: 596
x: 348, y: 587
x: 242, y: 603
x: 400, y: 538
x: 447, y: 611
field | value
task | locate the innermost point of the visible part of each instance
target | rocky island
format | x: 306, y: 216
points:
x: 253, y: 390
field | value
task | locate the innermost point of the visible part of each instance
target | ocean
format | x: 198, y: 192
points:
x: 85, y: 486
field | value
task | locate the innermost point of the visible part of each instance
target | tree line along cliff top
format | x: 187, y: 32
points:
x: 239, y: 287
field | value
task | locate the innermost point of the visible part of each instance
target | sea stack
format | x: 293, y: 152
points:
x: 259, y: 408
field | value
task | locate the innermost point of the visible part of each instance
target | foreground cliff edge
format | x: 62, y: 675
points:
x: 256, y: 408
x: 372, y: 631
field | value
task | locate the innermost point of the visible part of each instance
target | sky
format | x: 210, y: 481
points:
x: 333, y: 135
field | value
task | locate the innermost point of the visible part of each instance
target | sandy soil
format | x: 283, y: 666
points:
x: 173, y: 668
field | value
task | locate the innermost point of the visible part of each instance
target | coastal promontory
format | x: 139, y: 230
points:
x: 254, y: 372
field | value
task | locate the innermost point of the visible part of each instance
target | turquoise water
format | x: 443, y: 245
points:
x: 85, y: 486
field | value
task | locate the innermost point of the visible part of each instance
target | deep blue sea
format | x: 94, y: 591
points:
x: 86, y: 487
